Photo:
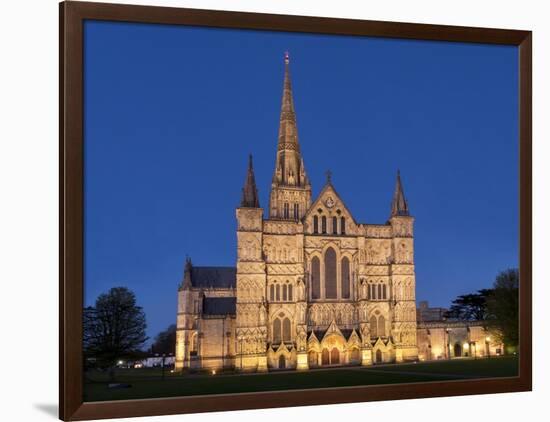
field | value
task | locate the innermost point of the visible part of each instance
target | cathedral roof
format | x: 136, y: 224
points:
x: 216, y: 277
x: 219, y: 305
x: 319, y: 334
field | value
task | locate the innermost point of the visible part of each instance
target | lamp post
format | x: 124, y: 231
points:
x: 241, y: 353
x: 447, y: 345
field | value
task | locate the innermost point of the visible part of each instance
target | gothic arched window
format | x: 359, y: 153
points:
x: 380, y: 291
x: 324, y: 224
x: 315, y: 278
x: 315, y: 224
x: 278, y: 291
x: 272, y: 292
x: 381, y: 326
x: 277, y: 331
x: 290, y: 292
x: 373, y: 291
x: 334, y: 225
x: 373, y: 327
x: 284, y: 292
x: 286, y: 329
x: 286, y: 210
x: 384, y: 292
x: 296, y: 211
x: 330, y: 274
x: 345, y: 278
x: 343, y: 225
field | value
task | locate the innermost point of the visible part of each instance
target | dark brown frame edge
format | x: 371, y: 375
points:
x: 71, y: 16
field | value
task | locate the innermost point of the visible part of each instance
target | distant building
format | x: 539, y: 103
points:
x: 424, y: 313
x: 155, y: 361
x: 439, y: 338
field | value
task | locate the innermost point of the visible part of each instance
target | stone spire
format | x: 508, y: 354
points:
x: 289, y: 167
x: 186, y: 282
x: 399, y: 206
x: 250, y: 192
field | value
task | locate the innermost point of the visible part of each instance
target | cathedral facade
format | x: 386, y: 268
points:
x: 312, y: 286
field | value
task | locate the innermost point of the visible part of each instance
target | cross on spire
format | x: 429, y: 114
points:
x: 329, y: 176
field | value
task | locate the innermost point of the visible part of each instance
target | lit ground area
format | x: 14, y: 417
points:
x: 148, y: 383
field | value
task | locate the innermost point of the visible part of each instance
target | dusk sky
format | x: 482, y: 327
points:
x: 171, y: 114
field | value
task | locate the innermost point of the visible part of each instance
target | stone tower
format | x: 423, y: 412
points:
x: 251, y: 328
x: 403, y: 277
x: 290, y: 188
x: 186, y: 318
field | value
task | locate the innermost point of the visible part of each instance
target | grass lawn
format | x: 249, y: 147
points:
x: 147, y: 383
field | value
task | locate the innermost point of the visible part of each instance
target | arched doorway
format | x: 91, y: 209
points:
x: 355, y: 355
x: 312, y: 358
x: 282, y: 362
x: 334, y: 356
x: 379, y: 356
x: 325, y: 357
x: 458, y: 350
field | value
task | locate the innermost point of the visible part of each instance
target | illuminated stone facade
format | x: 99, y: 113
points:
x: 312, y: 286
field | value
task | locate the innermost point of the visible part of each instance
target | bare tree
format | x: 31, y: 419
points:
x: 114, y: 328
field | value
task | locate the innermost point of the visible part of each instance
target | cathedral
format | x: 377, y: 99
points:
x: 312, y: 287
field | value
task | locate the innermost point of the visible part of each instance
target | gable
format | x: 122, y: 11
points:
x: 329, y: 207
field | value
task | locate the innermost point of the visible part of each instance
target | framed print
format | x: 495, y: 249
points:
x: 265, y: 210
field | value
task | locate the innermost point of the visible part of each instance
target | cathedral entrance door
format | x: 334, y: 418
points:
x: 379, y: 356
x: 282, y: 362
x: 334, y: 356
x: 458, y: 350
x: 325, y: 357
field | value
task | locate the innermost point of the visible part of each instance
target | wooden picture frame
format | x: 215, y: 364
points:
x: 71, y: 17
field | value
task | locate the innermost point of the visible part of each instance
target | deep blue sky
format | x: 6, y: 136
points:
x: 171, y: 114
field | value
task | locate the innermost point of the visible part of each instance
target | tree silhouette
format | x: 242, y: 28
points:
x: 470, y: 307
x: 503, y: 307
x: 114, y: 328
x: 165, y: 341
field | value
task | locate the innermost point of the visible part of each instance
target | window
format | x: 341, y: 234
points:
x: 272, y: 292
x: 296, y: 211
x: 343, y: 225
x: 284, y: 292
x: 286, y: 329
x: 373, y: 327
x: 286, y: 210
x: 315, y: 224
x: 384, y: 292
x: 315, y: 278
x: 290, y: 292
x: 373, y: 291
x: 334, y: 225
x: 345, y: 278
x: 330, y: 274
x: 380, y: 291
x: 278, y: 290
x: 381, y: 326
x: 324, y: 224
x: 196, y: 306
x: 277, y: 331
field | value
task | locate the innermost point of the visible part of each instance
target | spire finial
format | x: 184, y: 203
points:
x: 250, y: 192
x: 399, y: 206
x: 287, y: 57
x: 186, y: 282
